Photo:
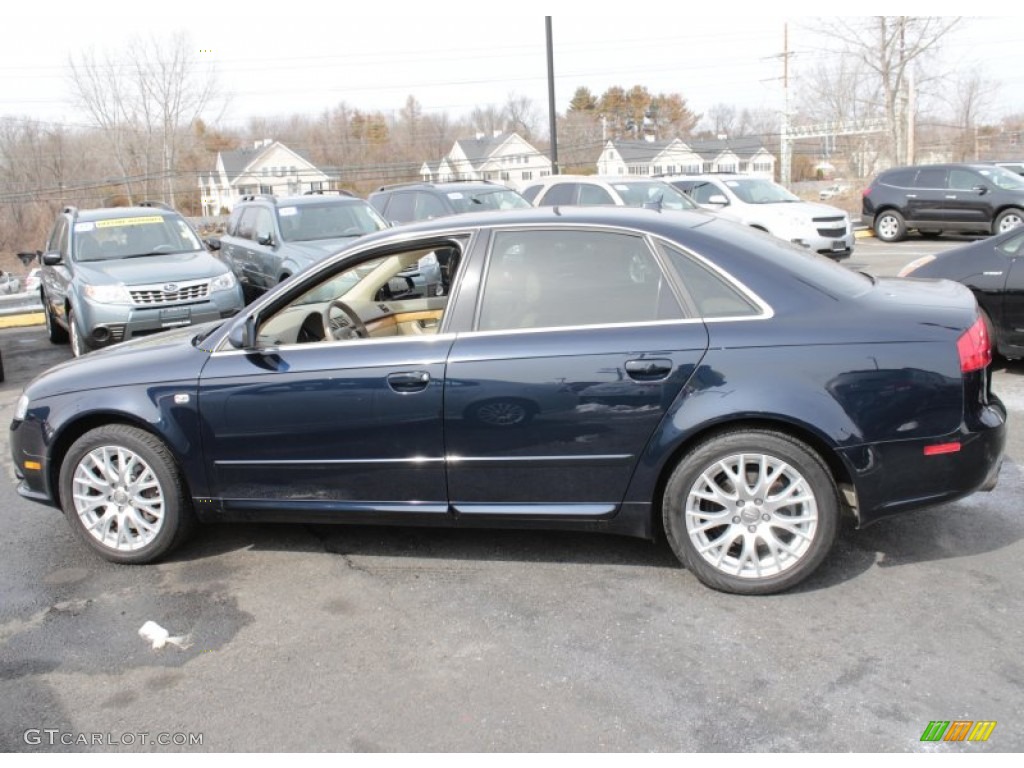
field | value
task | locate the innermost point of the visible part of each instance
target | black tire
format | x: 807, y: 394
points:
x: 890, y: 227
x: 789, y: 539
x: 56, y: 333
x: 79, y: 344
x: 157, y: 487
x: 1009, y: 219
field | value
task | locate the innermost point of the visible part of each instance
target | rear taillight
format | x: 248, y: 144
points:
x: 866, y: 192
x: 974, y: 347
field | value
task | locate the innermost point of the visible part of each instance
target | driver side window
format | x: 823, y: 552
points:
x: 403, y: 293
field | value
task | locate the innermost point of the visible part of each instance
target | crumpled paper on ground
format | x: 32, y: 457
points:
x: 160, y: 637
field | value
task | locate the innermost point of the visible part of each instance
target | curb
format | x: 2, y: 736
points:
x: 860, y: 234
x: 23, y: 320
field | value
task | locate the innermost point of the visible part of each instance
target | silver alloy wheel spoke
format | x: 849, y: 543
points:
x: 118, y: 498
x: 751, y: 515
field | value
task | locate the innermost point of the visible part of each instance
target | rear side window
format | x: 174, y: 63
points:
x: 402, y: 207
x: 544, y: 279
x: 591, y: 194
x: 559, y: 194
x: 901, y: 178
x: 712, y: 294
x: 931, y: 178
x: 247, y: 224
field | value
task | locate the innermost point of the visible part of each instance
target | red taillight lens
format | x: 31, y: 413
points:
x: 974, y: 347
x: 866, y: 192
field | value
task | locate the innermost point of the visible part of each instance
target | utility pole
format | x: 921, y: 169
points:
x: 552, y: 115
x: 911, y: 95
x: 785, y: 143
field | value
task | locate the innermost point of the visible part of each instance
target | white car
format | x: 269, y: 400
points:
x: 629, y: 191
x: 764, y: 205
x: 32, y: 281
x: 833, y: 190
x: 9, y: 283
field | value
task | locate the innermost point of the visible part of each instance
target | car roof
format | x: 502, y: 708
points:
x: 445, y: 186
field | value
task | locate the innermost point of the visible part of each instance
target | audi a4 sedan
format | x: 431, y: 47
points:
x: 630, y: 371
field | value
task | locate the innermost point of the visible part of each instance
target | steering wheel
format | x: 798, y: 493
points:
x: 337, y: 331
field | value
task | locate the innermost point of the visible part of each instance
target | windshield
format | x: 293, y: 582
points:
x: 133, y: 236
x: 487, y: 200
x: 1002, y: 178
x: 760, y: 191
x: 327, y: 221
x: 639, y: 193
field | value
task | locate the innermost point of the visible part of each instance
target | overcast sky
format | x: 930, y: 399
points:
x: 284, y: 58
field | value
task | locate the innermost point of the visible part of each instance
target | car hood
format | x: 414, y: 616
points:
x: 314, y: 250
x: 162, y: 358
x: 147, y: 270
x: 803, y: 209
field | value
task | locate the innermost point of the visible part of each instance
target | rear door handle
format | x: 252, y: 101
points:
x: 409, y: 381
x: 648, y: 369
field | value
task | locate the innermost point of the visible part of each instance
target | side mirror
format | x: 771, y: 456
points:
x: 265, y: 239
x: 52, y: 259
x: 213, y: 243
x: 718, y: 200
x: 243, y: 334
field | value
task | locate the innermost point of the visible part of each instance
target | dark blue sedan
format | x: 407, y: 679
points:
x: 630, y: 371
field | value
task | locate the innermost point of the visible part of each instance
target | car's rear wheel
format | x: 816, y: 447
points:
x: 751, y: 511
x: 1009, y: 219
x: 123, y: 494
x: 890, y: 227
x: 54, y: 331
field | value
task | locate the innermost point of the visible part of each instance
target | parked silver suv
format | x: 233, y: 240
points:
x: 763, y: 204
x: 111, y: 274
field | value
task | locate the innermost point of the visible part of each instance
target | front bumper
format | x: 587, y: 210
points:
x: 106, y: 324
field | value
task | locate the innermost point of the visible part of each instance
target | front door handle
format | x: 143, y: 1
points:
x: 648, y: 370
x: 409, y: 381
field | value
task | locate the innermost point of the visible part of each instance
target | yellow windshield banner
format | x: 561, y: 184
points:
x: 135, y: 221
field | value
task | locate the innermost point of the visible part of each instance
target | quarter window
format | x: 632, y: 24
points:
x: 709, y: 291
x: 543, y: 279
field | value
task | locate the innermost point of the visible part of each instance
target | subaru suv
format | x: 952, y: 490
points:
x: 765, y: 205
x: 112, y: 274
x: 403, y: 203
x: 270, y: 238
x: 951, y: 197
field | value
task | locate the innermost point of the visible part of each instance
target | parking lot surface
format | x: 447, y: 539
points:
x: 342, y: 638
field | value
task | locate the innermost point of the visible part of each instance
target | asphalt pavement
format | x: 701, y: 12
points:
x: 338, y: 638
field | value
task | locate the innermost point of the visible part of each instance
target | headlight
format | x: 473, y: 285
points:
x: 223, y: 282
x: 21, y: 409
x: 915, y: 265
x: 108, y: 294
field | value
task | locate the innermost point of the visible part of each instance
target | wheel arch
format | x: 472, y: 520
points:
x: 841, y: 473
x: 74, y: 429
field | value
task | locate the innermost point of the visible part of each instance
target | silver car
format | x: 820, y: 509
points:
x: 113, y: 274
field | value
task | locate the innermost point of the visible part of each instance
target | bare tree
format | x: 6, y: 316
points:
x: 968, y: 99
x: 889, y: 48
x: 145, y: 101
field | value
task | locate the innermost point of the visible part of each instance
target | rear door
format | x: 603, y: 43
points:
x: 931, y: 200
x: 577, y: 348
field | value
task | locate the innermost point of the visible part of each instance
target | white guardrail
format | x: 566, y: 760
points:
x: 20, y: 303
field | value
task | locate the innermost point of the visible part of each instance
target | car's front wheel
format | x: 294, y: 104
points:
x: 890, y: 227
x: 751, y: 511
x: 122, y: 493
x: 79, y: 345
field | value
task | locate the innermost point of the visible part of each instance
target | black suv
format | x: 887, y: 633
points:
x: 271, y: 238
x: 943, y: 198
x: 402, y: 203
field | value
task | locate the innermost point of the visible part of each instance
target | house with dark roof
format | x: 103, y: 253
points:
x: 656, y: 158
x: 268, y: 167
x: 503, y: 157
